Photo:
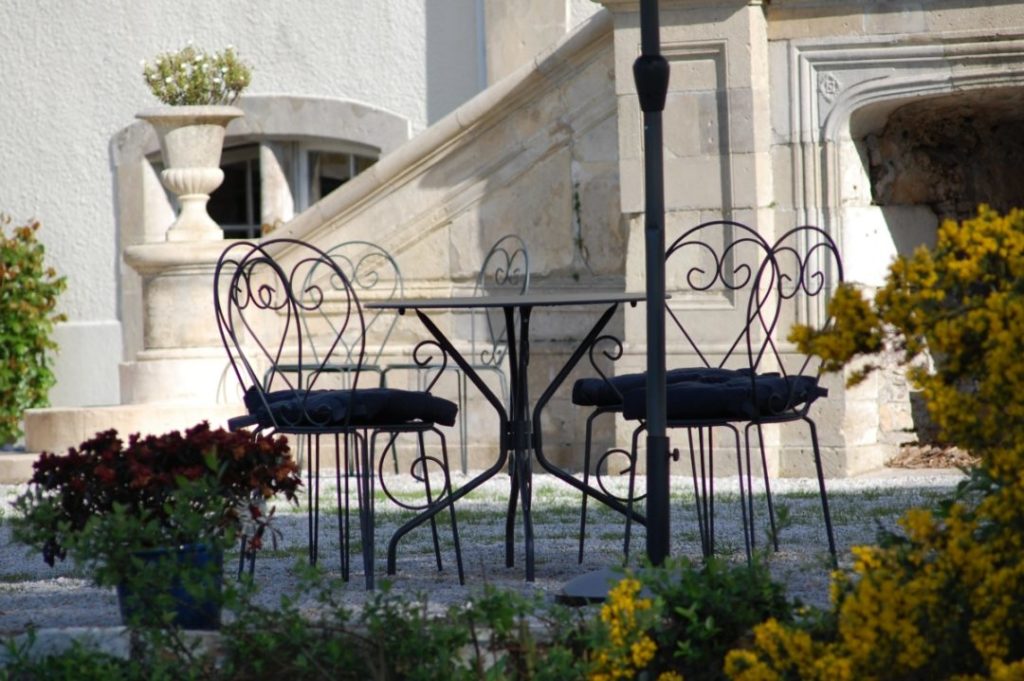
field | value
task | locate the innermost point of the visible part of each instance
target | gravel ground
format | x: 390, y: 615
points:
x: 33, y: 594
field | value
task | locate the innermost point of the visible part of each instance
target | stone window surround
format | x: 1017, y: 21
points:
x: 285, y: 185
x: 280, y: 124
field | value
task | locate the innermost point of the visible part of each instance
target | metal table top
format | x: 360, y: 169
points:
x: 531, y: 299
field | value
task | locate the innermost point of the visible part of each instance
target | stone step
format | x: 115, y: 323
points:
x: 16, y: 467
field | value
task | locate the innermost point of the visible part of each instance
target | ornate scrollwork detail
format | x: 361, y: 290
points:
x: 731, y: 270
x: 420, y: 470
x: 630, y: 469
x: 509, y: 266
x: 427, y: 362
x: 493, y: 354
x: 828, y: 86
x: 505, y: 268
x: 804, y: 257
x: 612, y: 351
x: 262, y: 312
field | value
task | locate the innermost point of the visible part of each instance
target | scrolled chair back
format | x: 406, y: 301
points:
x: 265, y: 293
x: 505, y: 270
x: 734, y: 297
x: 711, y: 271
x: 375, y: 275
x: 807, y: 269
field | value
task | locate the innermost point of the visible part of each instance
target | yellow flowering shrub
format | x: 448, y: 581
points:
x: 626, y: 648
x: 943, y: 599
x: 963, y: 303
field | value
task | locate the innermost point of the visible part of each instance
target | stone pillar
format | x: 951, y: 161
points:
x: 182, y: 356
x: 176, y: 377
x: 517, y: 30
x: 718, y: 165
x: 716, y: 125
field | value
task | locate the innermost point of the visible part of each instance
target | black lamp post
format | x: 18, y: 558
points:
x: 650, y: 72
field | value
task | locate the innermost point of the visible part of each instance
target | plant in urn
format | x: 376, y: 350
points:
x: 198, y: 89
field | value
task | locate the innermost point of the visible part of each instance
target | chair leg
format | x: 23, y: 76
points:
x: 461, y: 393
x: 451, y: 507
x: 422, y: 475
x: 767, y: 489
x: 746, y: 506
x: 698, y: 499
x: 631, y: 493
x: 425, y: 472
x: 344, y: 537
x: 706, y: 495
x: 434, y: 506
x: 751, y: 532
x: 312, y: 495
x: 586, y: 481
x: 371, y: 495
x: 824, y: 496
x: 364, y: 486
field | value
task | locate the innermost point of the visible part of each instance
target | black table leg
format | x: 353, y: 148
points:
x: 523, y: 437
x: 537, y: 444
x: 510, y: 513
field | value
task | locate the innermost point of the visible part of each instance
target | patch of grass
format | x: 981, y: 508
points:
x: 17, y: 577
x: 804, y: 494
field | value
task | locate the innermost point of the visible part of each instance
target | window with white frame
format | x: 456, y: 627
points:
x: 266, y: 183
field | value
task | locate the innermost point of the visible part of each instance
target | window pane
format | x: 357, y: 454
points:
x: 327, y: 172
x: 235, y: 205
x: 363, y: 163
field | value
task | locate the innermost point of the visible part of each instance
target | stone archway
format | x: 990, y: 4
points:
x: 889, y: 138
x: 951, y: 153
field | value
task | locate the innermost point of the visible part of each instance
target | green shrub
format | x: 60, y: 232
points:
x: 667, y: 625
x: 709, y: 608
x: 28, y: 300
x: 78, y: 663
x: 963, y: 304
x: 495, y: 636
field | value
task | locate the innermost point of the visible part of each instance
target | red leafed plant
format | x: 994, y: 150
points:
x: 178, y: 485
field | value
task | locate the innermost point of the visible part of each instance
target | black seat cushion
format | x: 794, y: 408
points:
x: 598, y: 392
x: 737, y: 398
x: 327, y: 408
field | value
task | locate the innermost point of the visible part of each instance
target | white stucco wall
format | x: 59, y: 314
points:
x: 70, y: 77
x: 581, y: 10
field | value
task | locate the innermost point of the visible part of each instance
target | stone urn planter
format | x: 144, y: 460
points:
x: 191, y: 139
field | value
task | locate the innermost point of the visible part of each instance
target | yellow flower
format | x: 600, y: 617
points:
x: 643, y: 651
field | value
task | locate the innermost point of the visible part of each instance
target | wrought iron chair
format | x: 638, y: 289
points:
x: 288, y: 316
x: 739, y: 377
x: 374, y: 274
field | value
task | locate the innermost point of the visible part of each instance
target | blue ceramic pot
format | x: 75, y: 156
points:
x: 198, y: 608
